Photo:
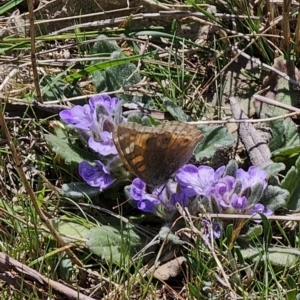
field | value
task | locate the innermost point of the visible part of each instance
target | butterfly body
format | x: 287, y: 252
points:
x: 154, y: 153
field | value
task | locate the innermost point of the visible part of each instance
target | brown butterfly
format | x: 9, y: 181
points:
x: 155, y: 153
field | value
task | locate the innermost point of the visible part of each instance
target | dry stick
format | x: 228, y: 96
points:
x: 43, y: 218
x: 157, y: 15
x: 197, y: 17
x: 12, y: 270
x: 32, y: 50
x: 240, y: 52
x: 297, y: 35
x: 258, y: 151
x: 186, y: 216
x: 276, y: 103
x: 286, y: 25
x: 292, y: 217
x: 265, y: 66
x: 11, y: 74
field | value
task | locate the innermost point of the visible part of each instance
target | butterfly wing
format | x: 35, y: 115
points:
x: 130, y: 146
x: 169, y: 148
x: 154, y: 153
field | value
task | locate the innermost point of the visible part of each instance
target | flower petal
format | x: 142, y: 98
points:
x: 78, y: 116
x: 106, y: 146
x: 96, y: 176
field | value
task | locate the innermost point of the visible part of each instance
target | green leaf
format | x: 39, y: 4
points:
x: 55, y: 88
x: 78, y: 190
x: 286, y: 140
x: 70, y: 231
x: 285, y: 153
x: 116, y: 77
x: 292, y: 290
x: 165, y: 233
x: 176, y: 111
x: 68, y: 152
x: 66, y: 267
x: 105, y: 46
x: 256, y: 193
x: 9, y: 5
x: 252, y: 233
x: 231, y: 168
x: 147, y: 121
x: 267, y: 231
x: 108, y: 242
x: 274, y: 169
x: 106, y: 64
x: 274, y: 197
x: 134, y: 118
x: 280, y: 257
x: 229, y: 232
x: 215, y: 137
x: 291, y: 182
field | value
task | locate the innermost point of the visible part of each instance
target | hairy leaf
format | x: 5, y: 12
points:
x: 103, y: 46
x: 291, y: 182
x: 281, y: 257
x: 274, y: 169
x: 275, y: 197
x: 70, y: 153
x: 176, y: 111
x: 286, y: 140
x: 78, y: 190
x: 215, y: 137
x: 252, y: 233
x: 108, y: 242
x: 231, y: 168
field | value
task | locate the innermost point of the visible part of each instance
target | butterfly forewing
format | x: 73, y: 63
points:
x: 154, y: 153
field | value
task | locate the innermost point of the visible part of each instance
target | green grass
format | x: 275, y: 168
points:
x: 193, y: 74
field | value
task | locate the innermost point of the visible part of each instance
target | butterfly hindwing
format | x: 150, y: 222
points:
x: 154, y: 153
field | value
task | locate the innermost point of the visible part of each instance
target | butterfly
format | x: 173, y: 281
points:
x: 154, y: 154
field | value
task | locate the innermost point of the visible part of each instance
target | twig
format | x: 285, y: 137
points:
x: 42, y: 216
x: 185, y: 214
x: 12, y: 73
x: 291, y: 217
x: 276, y: 103
x: 265, y: 66
x: 258, y: 151
x: 19, y: 274
x: 32, y: 51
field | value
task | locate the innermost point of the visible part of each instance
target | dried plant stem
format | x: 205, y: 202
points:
x: 18, y: 274
x: 286, y: 25
x: 32, y: 52
x: 186, y: 216
x: 297, y: 35
x: 42, y: 216
x: 276, y: 103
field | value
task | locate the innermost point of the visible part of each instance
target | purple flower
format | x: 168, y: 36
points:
x: 224, y: 196
x: 252, y: 177
x: 96, y: 176
x: 106, y: 146
x: 259, y: 208
x: 180, y: 198
x: 106, y: 101
x: 223, y: 190
x: 145, y: 202
x: 78, y: 116
x: 238, y: 202
x: 92, y: 118
x: 211, y: 229
x: 198, y: 181
x: 228, y: 200
x: 162, y: 201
